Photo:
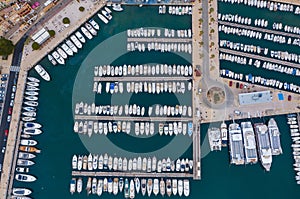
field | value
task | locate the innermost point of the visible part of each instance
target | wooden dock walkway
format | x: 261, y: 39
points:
x: 140, y: 79
x: 263, y: 30
x: 132, y: 118
x: 262, y: 58
x: 159, y: 40
x: 131, y: 174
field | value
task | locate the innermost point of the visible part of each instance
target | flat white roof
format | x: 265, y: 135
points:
x: 255, y: 97
x: 39, y: 33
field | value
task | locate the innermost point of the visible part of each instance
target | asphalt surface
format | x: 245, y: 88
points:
x: 11, y: 81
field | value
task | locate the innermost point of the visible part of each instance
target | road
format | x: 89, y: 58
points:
x: 12, y: 80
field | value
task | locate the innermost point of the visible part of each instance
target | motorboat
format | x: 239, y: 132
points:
x: 117, y: 7
x: 42, y: 72
x: 102, y: 18
x: 31, y: 98
x: 94, y: 24
x: 24, y: 155
x: 25, y: 163
x: 21, y: 191
x: 28, y: 142
x: 32, y: 131
x: 25, y: 178
x: 86, y: 33
x: 32, y: 125
x: 31, y: 103
x: 80, y: 37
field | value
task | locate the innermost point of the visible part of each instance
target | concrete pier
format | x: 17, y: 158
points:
x: 131, y: 174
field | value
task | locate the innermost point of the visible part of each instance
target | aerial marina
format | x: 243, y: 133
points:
x: 141, y: 124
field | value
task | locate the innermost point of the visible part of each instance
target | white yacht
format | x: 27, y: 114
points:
x: 67, y: 49
x: 94, y: 24
x: 90, y: 28
x: 71, y: 46
x: 117, y: 7
x: 58, y: 58
x: 21, y: 192
x: 42, y: 72
x: 86, y: 33
x: 25, y: 178
x: 76, y: 41
x: 80, y: 37
x: 102, y: 18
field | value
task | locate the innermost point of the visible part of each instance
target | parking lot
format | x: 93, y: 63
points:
x: 7, y: 96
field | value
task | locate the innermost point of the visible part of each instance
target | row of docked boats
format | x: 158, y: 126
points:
x: 157, y: 33
x: 292, y: 121
x: 143, y: 70
x: 257, y: 63
x: 144, y: 87
x: 271, y: 5
x: 160, y: 46
x: 72, y: 44
x: 27, y: 143
x: 140, y: 128
x: 175, y: 128
x: 262, y: 81
x: 179, y: 10
x: 256, y: 34
x: 244, y: 47
x: 246, y: 142
x: 106, y: 162
x: 284, y: 55
x: 133, y: 110
x: 133, y: 186
x: 76, y: 40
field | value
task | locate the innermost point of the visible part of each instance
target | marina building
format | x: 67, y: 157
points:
x: 41, y: 36
x: 255, y: 97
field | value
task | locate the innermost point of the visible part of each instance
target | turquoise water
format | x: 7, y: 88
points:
x: 73, y: 83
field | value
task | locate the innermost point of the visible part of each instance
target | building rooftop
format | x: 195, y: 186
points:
x: 255, y: 97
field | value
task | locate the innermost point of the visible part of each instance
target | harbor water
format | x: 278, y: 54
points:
x: 73, y: 83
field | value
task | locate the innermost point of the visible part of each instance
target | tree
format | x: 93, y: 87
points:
x: 211, y: 10
x: 212, y: 31
x: 6, y: 46
x: 51, y: 33
x: 81, y: 9
x: 66, y: 20
x: 35, y: 46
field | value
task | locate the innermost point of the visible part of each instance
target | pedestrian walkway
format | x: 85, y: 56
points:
x: 15, y: 68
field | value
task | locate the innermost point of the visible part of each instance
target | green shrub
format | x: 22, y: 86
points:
x: 35, y: 46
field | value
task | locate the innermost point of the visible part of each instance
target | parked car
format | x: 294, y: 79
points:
x: 3, y: 149
x: 12, y: 96
x: 4, y: 75
x: 6, y: 132
x: 14, y: 88
x: 11, y: 103
x: 8, y: 118
x: 10, y: 111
